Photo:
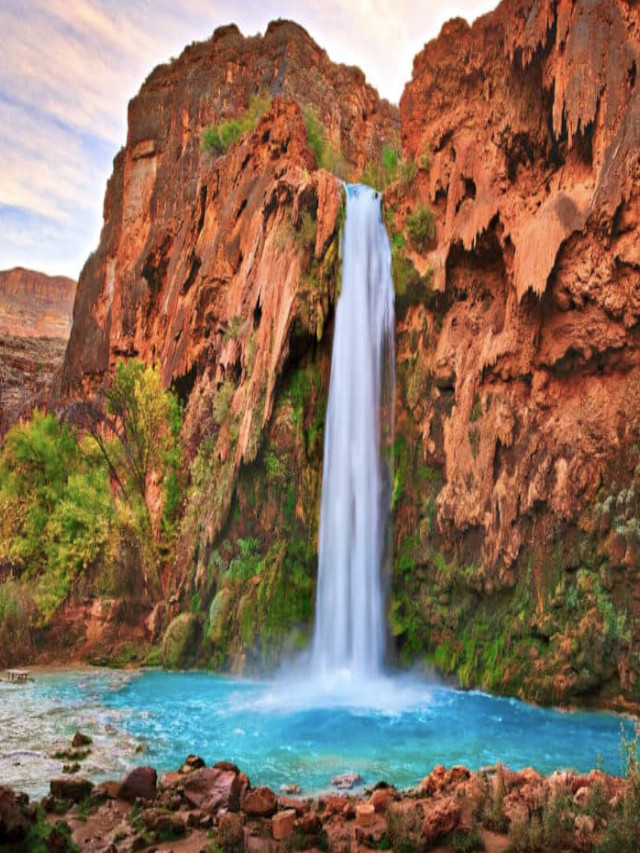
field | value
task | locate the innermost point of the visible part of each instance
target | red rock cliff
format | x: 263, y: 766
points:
x: 525, y: 351
x: 173, y: 240
x: 35, y: 321
x: 33, y: 304
x: 219, y: 266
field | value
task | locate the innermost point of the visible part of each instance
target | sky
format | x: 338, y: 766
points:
x: 68, y: 69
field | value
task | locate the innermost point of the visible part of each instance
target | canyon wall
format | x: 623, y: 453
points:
x: 222, y: 264
x: 520, y: 358
x: 35, y: 322
x: 516, y: 529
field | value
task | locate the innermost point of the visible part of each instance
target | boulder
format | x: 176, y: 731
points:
x: 14, y: 823
x: 139, y: 783
x: 73, y: 788
x: 260, y: 802
x: 440, y: 819
x: 381, y: 798
x: 80, y: 739
x: 108, y: 790
x: 335, y: 804
x: 212, y: 788
x: 191, y: 763
x: 282, y: 824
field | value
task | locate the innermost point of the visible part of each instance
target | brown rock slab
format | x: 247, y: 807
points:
x: 260, y: 802
x: 14, y: 823
x: 282, y: 824
x: 73, y: 788
x: 212, y: 788
x: 159, y: 820
x: 299, y: 806
x: 139, y: 783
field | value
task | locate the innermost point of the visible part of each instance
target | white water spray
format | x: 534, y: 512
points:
x: 356, y: 490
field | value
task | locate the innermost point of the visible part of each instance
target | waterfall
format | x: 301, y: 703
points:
x: 356, y: 488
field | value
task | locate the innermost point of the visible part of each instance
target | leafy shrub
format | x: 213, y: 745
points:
x: 623, y: 828
x: 403, y: 829
x: 407, y: 172
x: 424, y: 160
x: 222, y: 402
x: 218, y: 138
x: 467, y: 842
x: 421, y: 225
x: 327, y: 156
x: 15, y: 612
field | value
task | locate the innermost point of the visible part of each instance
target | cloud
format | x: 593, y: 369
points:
x: 69, y: 67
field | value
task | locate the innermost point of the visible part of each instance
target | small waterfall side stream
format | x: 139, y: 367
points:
x: 349, y: 623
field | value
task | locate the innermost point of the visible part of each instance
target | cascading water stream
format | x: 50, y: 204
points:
x: 356, y: 487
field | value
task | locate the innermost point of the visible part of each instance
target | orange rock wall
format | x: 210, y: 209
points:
x: 34, y: 305
x: 531, y: 120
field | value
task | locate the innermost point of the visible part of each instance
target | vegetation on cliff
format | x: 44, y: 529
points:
x: 93, y: 509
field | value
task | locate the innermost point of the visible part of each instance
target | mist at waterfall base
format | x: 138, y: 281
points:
x: 335, y: 711
x: 278, y: 738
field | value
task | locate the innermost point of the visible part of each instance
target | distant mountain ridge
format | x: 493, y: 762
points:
x: 36, y: 312
x: 35, y: 305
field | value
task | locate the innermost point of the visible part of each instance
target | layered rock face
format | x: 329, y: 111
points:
x: 35, y: 322
x: 35, y: 305
x: 178, y: 222
x: 224, y: 268
x: 516, y: 516
x: 521, y: 359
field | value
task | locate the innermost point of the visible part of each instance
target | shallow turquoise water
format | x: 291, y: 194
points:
x: 288, y: 731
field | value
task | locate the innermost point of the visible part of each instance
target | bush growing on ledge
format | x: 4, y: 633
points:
x: 218, y: 138
x: 327, y: 156
x: 424, y: 160
x: 421, y: 225
x: 390, y: 168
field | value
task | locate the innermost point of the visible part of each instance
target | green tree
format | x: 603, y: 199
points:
x: 35, y: 463
x: 56, y: 510
x: 138, y: 433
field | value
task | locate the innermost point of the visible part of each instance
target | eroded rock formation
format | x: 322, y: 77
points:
x: 517, y: 518
x: 523, y: 354
x: 223, y: 266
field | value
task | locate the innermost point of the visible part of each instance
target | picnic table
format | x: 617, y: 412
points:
x: 17, y: 676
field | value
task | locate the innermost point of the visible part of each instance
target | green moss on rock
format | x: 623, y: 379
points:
x: 180, y: 643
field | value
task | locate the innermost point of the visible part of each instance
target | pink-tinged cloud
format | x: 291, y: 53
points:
x: 69, y: 67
